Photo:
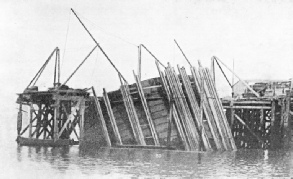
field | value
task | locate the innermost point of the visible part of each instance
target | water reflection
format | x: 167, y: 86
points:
x: 108, y: 162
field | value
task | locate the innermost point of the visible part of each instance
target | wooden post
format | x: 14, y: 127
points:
x: 254, y: 92
x: 261, y: 125
x: 31, y: 120
x: 19, y: 118
x: 81, y: 121
x: 232, y: 113
x: 56, y: 119
x: 287, y: 122
x: 139, y: 62
x: 273, y: 127
x: 213, y: 70
x: 39, y: 120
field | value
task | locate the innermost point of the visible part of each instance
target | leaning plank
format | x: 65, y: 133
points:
x: 211, y: 102
x: 100, y: 114
x: 206, y: 108
x: 131, y: 113
x: 112, y: 118
x: 183, y: 109
x: 221, y: 109
x: 174, y: 112
x: 147, y: 111
x: 194, y: 107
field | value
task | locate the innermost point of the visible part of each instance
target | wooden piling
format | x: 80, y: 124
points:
x: 287, y: 122
x: 273, y: 133
x: 31, y: 120
x: 81, y: 121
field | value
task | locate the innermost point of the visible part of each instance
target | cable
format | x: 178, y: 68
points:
x: 109, y: 34
x: 67, y: 31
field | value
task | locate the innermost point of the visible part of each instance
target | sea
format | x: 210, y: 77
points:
x: 98, y: 162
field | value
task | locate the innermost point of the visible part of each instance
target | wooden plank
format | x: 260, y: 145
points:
x: 159, y: 114
x: 199, y: 85
x: 221, y: 110
x: 147, y: 111
x: 129, y: 106
x: 246, y: 107
x: 157, y: 108
x: 215, y: 112
x: 195, y: 109
x: 182, y: 107
x: 153, y: 103
x: 100, y: 114
x: 175, y: 113
x: 111, y: 116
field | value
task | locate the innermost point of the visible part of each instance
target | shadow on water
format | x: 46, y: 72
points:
x: 90, y: 160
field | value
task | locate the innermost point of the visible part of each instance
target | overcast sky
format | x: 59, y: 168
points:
x: 258, y: 35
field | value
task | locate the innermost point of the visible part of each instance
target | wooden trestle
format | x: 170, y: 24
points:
x: 51, y: 117
x: 261, y: 122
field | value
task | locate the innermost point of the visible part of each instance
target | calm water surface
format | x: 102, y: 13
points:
x: 93, y: 162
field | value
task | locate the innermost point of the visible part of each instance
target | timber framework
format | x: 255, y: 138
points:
x: 177, y: 110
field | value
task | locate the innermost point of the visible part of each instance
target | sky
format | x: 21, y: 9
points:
x: 257, y: 35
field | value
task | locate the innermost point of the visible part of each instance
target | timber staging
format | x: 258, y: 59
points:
x: 176, y: 110
x: 173, y: 111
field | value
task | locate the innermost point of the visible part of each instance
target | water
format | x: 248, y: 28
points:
x: 92, y: 162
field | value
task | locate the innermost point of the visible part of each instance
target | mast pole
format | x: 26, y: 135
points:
x: 139, y: 62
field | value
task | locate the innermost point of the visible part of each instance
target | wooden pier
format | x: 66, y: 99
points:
x: 264, y: 123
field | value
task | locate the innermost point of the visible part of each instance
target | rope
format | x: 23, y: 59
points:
x: 37, y: 76
x: 223, y: 73
x: 102, y: 30
x: 67, y: 31
x: 98, y: 45
x: 153, y: 56
x: 96, y: 60
x: 78, y: 66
